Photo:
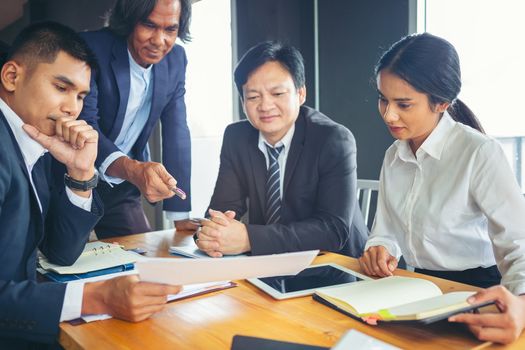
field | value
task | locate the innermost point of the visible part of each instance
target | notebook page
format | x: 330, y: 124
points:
x: 371, y: 296
x: 436, y: 305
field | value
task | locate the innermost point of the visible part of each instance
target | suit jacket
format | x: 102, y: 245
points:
x: 319, y: 206
x: 30, y: 311
x: 105, y: 107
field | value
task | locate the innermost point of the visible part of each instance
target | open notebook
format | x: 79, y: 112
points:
x: 395, y: 299
x: 95, y: 256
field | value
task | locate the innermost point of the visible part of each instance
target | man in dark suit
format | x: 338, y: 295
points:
x: 291, y: 167
x: 47, y: 175
x: 141, y: 80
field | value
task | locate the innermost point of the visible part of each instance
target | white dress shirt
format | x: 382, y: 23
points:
x: 455, y: 205
x: 286, y: 141
x: 31, y: 152
x: 136, y: 116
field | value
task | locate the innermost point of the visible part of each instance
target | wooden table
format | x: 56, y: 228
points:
x: 210, y: 321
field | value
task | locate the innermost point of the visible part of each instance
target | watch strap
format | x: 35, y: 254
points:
x: 80, y: 185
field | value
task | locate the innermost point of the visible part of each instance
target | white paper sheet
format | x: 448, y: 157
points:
x: 191, y: 271
x: 354, y: 339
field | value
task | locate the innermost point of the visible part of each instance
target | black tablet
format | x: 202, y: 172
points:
x: 307, y: 281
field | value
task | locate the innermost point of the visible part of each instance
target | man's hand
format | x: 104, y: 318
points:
x: 222, y: 234
x: 152, y: 179
x: 376, y: 261
x: 503, y: 327
x: 74, y: 145
x: 126, y: 298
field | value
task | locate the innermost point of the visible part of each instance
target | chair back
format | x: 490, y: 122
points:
x: 364, y: 195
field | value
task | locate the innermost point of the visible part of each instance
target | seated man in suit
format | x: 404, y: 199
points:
x: 291, y: 167
x: 47, y: 175
x: 140, y: 81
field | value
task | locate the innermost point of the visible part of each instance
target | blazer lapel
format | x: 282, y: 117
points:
x: 258, y: 166
x: 160, y: 83
x: 296, y: 149
x: 120, y: 66
x: 34, y: 201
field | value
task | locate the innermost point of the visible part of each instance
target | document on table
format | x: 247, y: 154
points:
x: 187, y: 291
x: 191, y: 271
x: 353, y: 339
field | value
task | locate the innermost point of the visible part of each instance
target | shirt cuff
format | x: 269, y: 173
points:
x: 177, y: 215
x: 81, y: 202
x: 72, y: 306
x: 105, y: 165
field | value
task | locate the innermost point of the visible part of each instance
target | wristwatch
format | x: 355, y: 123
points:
x: 80, y: 185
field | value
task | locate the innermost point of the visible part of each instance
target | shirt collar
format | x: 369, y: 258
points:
x: 138, y: 69
x: 31, y: 150
x: 434, y: 143
x: 286, y: 141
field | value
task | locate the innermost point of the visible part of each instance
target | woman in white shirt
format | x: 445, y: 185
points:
x: 448, y: 200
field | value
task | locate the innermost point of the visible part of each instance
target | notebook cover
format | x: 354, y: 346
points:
x: 427, y: 320
x: 64, y: 278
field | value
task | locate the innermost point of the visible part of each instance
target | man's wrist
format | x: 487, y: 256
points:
x: 247, y: 245
x: 124, y: 168
x: 81, y: 175
x: 93, y: 299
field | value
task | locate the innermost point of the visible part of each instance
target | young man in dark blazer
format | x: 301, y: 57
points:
x: 47, y: 202
x: 290, y: 167
x: 140, y: 80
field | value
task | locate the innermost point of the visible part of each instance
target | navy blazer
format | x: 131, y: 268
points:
x: 319, y: 206
x: 30, y: 311
x: 105, y: 107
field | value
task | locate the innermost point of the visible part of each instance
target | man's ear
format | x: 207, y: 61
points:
x: 302, y: 94
x: 10, y: 75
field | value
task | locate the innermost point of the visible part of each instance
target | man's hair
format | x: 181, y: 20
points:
x: 126, y: 14
x: 270, y: 51
x: 41, y: 43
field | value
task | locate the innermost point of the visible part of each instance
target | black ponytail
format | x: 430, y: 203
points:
x: 430, y: 65
x: 461, y: 113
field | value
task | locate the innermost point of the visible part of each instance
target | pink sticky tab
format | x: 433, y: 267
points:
x: 371, y: 320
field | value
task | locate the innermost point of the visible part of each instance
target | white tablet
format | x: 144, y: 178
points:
x: 307, y: 281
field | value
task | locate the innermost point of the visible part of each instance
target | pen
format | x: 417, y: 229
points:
x: 179, y: 192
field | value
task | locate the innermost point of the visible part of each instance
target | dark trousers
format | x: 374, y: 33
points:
x: 123, y: 213
x: 483, y: 277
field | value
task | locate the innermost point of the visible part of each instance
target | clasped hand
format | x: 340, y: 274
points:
x: 222, y: 234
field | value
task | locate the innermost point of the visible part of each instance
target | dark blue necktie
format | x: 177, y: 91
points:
x: 273, y: 186
x: 38, y: 174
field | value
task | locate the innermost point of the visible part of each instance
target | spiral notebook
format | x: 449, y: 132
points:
x: 95, y: 256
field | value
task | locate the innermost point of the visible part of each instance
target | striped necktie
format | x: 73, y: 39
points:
x: 273, y: 186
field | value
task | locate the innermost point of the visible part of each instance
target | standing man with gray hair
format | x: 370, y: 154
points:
x: 141, y: 79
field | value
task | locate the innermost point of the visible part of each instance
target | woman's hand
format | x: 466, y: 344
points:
x: 377, y: 261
